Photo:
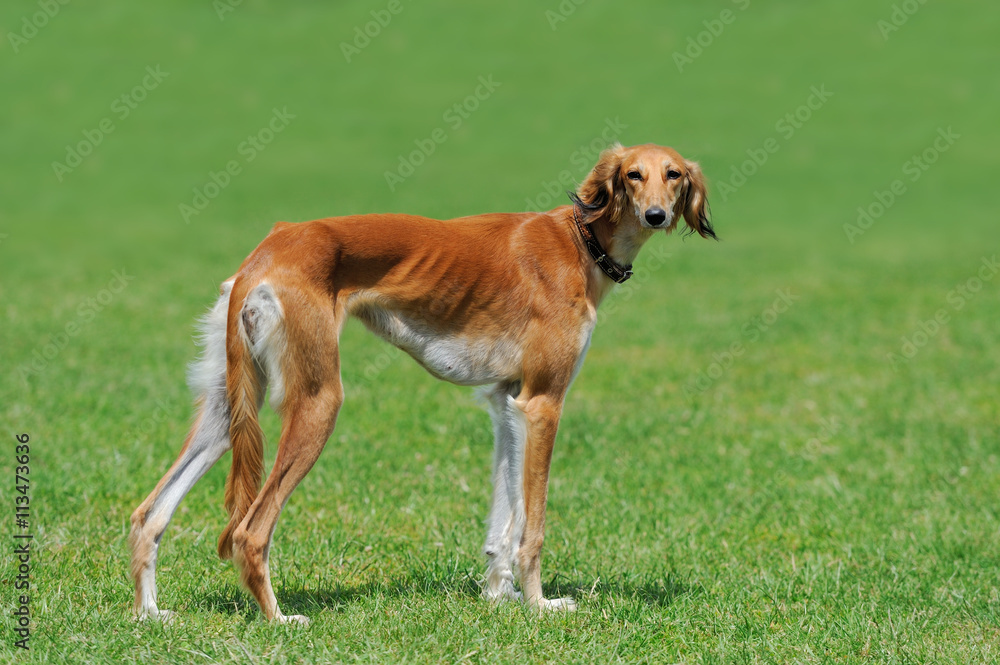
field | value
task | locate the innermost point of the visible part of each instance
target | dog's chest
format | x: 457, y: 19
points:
x: 458, y: 359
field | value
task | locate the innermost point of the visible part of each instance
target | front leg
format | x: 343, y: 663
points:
x: 542, y: 413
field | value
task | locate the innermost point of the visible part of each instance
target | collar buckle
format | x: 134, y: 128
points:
x: 617, y: 273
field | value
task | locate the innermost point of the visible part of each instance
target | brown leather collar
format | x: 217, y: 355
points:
x: 612, y: 269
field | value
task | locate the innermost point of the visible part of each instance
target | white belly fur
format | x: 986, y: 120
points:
x: 466, y: 362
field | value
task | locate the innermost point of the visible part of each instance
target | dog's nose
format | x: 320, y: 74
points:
x: 656, y: 216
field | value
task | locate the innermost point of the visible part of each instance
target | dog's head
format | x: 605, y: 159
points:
x: 650, y: 185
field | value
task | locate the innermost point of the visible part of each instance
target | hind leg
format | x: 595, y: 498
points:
x: 307, y: 425
x: 506, y: 519
x: 207, y: 441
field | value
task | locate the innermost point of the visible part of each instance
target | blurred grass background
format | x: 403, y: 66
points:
x: 812, y: 504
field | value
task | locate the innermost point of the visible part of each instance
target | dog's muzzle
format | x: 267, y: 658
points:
x: 656, y: 216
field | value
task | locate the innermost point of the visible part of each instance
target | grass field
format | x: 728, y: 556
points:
x: 784, y: 447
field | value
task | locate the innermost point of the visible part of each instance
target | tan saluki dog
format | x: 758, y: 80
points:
x: 501, y: 300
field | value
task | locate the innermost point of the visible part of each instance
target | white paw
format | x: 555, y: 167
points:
x: 501, y: 592
x: 557, y: 605
x: 154, y: 614
x: 292, y: 618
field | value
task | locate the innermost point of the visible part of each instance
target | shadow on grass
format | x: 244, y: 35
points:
x: 656, y: 591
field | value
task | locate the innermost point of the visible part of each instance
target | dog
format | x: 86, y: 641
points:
x: 507, y: 301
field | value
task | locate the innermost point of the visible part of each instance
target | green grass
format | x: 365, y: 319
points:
x: 811, y: 504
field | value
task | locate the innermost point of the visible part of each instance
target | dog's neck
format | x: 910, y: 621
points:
x: 622, y: 241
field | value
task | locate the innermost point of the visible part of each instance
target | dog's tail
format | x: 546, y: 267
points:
x: 252, y: 349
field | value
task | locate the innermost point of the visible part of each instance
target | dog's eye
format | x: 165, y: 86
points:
x: 634, y: 175
x: 673, y: 175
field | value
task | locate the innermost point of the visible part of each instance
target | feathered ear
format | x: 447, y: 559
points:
x: 696, y: 202
x: 602, y: 191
